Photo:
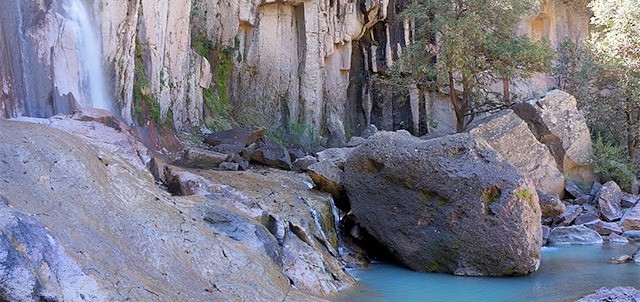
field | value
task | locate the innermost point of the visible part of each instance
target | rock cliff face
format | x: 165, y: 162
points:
x: 306, y: 62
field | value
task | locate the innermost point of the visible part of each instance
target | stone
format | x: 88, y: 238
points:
x: 243, y: 164
x: 621, y: 259
x: 369, y: 131
x: 573, y: 189
x: 469, y: 213
x: 337, y: 156
x: 628, y: 200
x: 272, y: 155
x: 229, y: 146
x: 631, y: 219
x: 550, y: 205
x: 356, y: 141
x: 229, y: 166
x: 328, y: 178
x: 633, y: 235
x: 595, y: 188
x: 585, y: 217
x: 247, y: 153
x: 604, y: 228
x: 556, y: 122
x: 509, y: 135
x: 618, y: 294
x: 608, y: 200
x: 245, y: 136
x: 570, y: 214
x: 302, y: 164
x: 615, y: 238
x: 203, y: 159
x: 296, y: 152
x: 584, y: 199
x: 574, y: 235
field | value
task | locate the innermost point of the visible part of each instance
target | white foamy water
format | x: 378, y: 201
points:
x: 90, y: 56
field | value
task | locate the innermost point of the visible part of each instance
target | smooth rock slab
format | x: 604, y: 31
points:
x: 469, y: 212
x: 574, y: 235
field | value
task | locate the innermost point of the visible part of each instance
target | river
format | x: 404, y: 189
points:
x: 566, y: 273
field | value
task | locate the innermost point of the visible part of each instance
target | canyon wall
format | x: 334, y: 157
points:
x: 274, y: 63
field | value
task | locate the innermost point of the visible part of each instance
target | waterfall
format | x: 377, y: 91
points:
x: 89, y: 51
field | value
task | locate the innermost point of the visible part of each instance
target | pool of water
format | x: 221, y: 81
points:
x: 566, y: 273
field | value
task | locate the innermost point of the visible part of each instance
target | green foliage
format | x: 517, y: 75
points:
x: 468, y: 43
x: 218, y: 117
x: 490, y: 195
x: 527, y: 195
x: 604, y: 72
x: 612, y: 163
x: 146, y: 106
x: 295, y: 134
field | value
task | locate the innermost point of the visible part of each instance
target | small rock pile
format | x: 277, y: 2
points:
x: 234, y: 149
x: 605, y: 213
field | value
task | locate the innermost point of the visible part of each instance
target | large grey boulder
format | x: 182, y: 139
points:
x: 608, y: 200
x: 509, y: 135
x: 450, y: 204
x: 557, y: 123
x: 618, y: 294
x: 574, y: 235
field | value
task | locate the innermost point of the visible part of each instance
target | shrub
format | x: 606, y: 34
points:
x: 610, y: 162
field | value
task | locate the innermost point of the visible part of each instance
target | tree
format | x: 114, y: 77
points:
x: 464, y: 46
x: 604, y: 73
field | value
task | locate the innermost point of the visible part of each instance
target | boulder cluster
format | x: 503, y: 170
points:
x: 603, y: 213
x: 471, y: 203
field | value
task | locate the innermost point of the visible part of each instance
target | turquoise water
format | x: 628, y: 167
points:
x: 566, y: 273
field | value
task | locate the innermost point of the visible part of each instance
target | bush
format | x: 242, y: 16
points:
x: 611, y: 162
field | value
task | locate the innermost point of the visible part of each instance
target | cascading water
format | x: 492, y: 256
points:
x: 90, y: 57
x: 51, y: 59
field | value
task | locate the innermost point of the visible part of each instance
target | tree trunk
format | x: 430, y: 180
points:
x: 633, y: 134
x: 506, y: 90
x: 453, y: 96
